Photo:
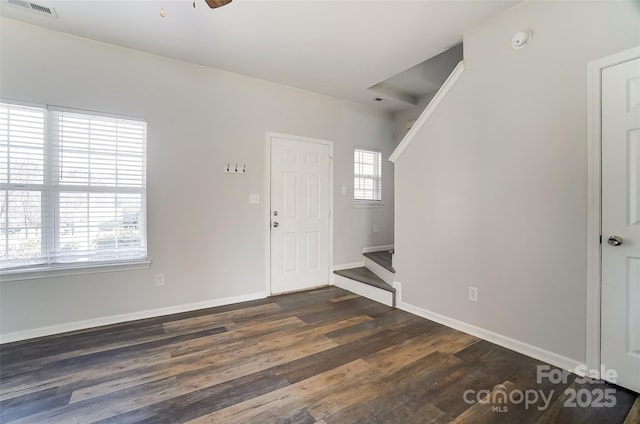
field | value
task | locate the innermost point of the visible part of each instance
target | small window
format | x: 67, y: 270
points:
x: 367, y: 175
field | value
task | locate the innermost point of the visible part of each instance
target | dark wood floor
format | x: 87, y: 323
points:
x: 325, y: 356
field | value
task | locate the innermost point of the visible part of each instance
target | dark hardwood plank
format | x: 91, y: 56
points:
x: 45, y: 346
x: 108, y: 362
x: 204, y: 401
x: 325, y: 356
x: 309, y: 366
x: 407, y: 402
x: 561, y: 412
x: 269, y: 407
x: 634, y: 414
x: 343, y: 298
x: 32, y: 403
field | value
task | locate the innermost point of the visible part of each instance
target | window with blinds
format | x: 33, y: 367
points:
x: 367, y: 175
x: 72, y: 187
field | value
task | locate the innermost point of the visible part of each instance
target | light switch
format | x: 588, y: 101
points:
x: 254, y: 198
x: 343, y: 190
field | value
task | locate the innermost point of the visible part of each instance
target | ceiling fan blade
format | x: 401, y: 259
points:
x: 217, y: 3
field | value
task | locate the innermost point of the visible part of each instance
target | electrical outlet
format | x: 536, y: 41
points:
x: 473, y: 294
x: 160, y: 280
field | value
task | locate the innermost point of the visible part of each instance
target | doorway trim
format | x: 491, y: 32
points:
x: 267, y: 211
x: 594, y: 199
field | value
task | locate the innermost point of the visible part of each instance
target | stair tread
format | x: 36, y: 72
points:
x: 382, y: 258
x: 364, y: 275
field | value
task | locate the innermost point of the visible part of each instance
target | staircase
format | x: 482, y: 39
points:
x: 373, y: 280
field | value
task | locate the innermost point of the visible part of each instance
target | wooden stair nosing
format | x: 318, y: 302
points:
x: 358, y: 274
x: 382, y: 258
x: 365, y: 276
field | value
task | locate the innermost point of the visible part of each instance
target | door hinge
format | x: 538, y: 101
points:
x: 600, y: 238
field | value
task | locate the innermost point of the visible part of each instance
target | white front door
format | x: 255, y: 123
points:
x: 620, y: 347
x: 299, y: 214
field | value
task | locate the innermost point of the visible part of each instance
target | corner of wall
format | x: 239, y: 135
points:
x: 431, y: 107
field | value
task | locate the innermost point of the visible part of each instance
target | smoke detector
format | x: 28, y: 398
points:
x: 35, y: 7
x: 521, y: 39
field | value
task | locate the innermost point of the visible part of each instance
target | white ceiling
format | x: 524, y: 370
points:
x: 426, y: 77
x: 338, y: 48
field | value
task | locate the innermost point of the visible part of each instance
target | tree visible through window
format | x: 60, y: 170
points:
x: 367, y: 175
x: 72, y: 187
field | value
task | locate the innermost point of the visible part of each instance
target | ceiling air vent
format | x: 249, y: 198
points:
x: 35, y: 7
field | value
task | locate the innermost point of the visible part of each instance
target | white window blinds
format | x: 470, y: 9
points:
x: 81, y: 196
x: 367, y: 175
x: 22, y: 176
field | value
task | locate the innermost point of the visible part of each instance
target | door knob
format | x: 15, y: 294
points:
x: 615, y: 241
x: 275, y: 224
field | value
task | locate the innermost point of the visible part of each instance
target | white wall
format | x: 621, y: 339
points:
x: 203, y: 235
x: 401, y: 117
x: 492, y: 192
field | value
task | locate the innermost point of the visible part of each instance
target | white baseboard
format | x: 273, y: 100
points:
x: 377, y: 248
x: 115, y: 319
x: 365, y: 290
x: 499, y: 339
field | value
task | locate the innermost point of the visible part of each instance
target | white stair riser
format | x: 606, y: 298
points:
x: 365, y: 290
x: 379, y: 270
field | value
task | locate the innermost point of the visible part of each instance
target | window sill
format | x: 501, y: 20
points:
x: 66, y: 270
x: 359, y: 204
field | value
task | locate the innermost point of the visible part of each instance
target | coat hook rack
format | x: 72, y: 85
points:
x: 236, y: 168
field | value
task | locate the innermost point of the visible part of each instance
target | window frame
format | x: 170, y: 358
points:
x: 50, y: 190
x: 367, y: 203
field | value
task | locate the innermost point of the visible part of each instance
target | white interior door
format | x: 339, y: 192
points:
x: 299, y: 214
x: 620, y: 347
